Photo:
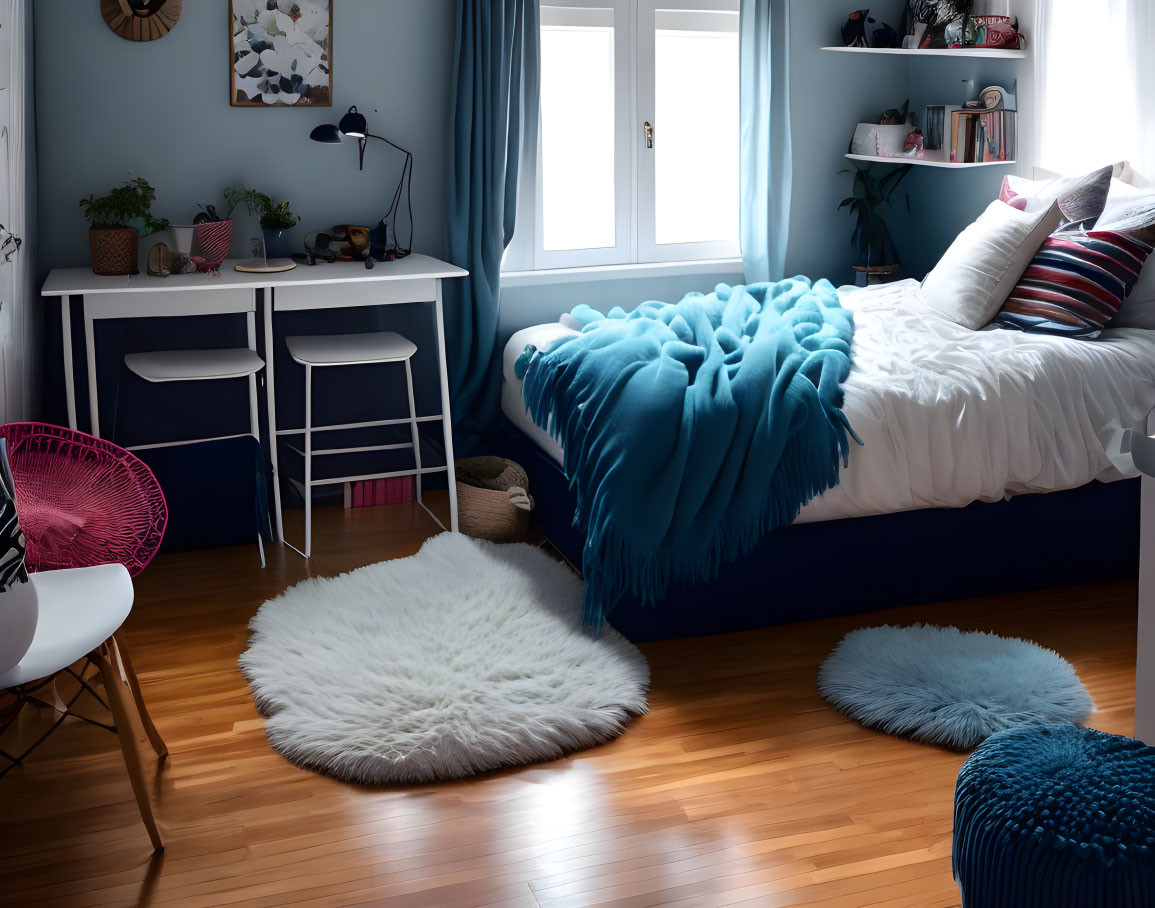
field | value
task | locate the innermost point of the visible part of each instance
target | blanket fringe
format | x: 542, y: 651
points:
x: 809, y: 465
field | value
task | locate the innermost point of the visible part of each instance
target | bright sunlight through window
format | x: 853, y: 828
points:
x: 696, y: 152
x: 638, y: 153
x: 577, y: 137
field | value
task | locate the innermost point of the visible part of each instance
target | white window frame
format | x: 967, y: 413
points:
x: 635, y: 24
x: 691, y: 15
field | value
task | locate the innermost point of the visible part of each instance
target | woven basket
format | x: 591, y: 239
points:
x: 486, y: 508
x: 114, y: 250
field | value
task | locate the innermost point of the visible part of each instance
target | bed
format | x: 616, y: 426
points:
x: 963, y: 431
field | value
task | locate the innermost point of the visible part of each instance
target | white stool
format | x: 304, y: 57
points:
x: 319, y: 351
x: 203, y: 365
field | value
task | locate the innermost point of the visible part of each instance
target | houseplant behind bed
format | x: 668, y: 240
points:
x: 113, y: 239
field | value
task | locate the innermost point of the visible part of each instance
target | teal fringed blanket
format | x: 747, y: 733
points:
x: 692, y: 429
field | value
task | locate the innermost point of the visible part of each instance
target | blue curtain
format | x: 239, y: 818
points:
x: 766, y: 165
x: 494, y: 124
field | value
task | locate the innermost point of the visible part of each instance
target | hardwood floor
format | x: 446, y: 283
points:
x: 739, y: 787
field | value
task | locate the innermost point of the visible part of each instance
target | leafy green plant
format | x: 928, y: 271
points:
x: 123, y: 206
x: 273, y: 215
x: 872, y: 193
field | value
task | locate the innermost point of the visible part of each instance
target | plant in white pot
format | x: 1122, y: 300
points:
x: 113, y: 235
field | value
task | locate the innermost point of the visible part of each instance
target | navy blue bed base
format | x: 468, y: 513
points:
x: 1083, y: 535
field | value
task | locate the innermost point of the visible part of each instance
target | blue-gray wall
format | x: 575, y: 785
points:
x: 108, y: 108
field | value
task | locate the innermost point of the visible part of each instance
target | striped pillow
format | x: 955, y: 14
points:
x: 1076, y: 283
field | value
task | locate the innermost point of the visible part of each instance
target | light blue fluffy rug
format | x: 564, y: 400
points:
x: 939, y: 685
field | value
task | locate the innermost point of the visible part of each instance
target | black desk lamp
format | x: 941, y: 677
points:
x: 383, y: 242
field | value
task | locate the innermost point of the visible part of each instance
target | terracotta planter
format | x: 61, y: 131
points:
x: 114, y: 250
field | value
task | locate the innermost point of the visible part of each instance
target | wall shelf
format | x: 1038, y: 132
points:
x: 958, y: 52
x: 929, y: 159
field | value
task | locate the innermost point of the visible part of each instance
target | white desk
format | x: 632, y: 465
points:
x: 414, y: 279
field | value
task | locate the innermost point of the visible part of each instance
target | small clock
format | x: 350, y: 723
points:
x: 995, y: 97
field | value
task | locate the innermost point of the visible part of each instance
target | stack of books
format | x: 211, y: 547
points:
x: 373, y: 492
x: 981, y: 136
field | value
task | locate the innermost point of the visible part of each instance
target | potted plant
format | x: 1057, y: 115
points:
x: 275, y: 217
x: 113, y: 236
x: 871, y: 193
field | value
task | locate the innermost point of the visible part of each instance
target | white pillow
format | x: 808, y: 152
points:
x: 980, y: 269
x: 1126, y: 205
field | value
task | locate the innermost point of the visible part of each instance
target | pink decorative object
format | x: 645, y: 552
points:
x: 211, y: 242
x: 82, y: 500
x: 374, y: 492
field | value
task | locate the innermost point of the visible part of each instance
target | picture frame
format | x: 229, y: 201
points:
x: 281, y: 56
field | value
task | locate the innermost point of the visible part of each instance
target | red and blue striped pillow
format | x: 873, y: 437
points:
x: 1076, y: 283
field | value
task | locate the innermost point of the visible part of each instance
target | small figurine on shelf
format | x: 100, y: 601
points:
x: 924, y: 23
x: 861, y: 30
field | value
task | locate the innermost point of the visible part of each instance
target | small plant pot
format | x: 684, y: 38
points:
x: 114, y: 250
x: 212, y: 241
x: 276, y: 243
x: 182, y: 239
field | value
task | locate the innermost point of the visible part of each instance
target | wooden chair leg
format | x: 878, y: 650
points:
x: 118, y: 703
x: 141, y: 710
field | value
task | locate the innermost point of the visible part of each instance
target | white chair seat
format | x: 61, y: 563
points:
x: 350, y: 349
x: 194, y: 365
x: 78, y: 610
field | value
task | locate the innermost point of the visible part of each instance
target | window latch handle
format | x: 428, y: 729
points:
x: 649, y: 129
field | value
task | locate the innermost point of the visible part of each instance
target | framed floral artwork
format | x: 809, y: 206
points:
x: 282, y: 53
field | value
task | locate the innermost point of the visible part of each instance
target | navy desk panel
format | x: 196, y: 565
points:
x: 842, y: 567
x: 216, y: 492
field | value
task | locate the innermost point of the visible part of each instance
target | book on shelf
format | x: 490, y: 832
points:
x: 982, y: 136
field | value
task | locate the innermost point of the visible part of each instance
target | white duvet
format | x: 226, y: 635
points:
x: 949, y: 416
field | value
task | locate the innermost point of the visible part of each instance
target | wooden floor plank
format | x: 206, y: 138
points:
x: 740, y: 787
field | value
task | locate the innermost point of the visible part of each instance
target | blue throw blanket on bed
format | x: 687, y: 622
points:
x: 692, y: 429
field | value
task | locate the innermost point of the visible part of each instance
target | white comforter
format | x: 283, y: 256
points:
x: 950, y: 416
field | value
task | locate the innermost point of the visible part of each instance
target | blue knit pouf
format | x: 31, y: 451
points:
x: 1056, y: 817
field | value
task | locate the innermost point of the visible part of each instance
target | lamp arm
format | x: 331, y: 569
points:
x: 371, y: 135
x: 404, y: 186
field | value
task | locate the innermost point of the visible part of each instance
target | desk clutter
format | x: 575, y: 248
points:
x: 119, y: 219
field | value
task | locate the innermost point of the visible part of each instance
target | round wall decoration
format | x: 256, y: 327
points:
x: 141, y: 20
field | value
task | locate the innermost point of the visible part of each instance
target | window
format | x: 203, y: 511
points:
x: 1118, y: 57
x: 638, y: 148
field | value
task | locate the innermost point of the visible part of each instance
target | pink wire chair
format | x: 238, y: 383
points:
x: 82, y: 500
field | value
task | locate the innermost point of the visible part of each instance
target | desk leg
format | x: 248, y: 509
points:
x: 446, y: 419
x: 1145, y: 658
x: 93, y: 397
x: 271, y: 391
x: 254, y: 410
x: 69, y: 376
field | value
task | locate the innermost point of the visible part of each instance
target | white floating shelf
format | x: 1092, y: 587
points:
x: 930, y: 159
x: 987, y: 52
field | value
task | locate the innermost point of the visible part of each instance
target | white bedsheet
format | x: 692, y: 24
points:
x: 951, y: 416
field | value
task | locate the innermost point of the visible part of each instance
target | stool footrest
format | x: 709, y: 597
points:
x: 361, y: 425
x: 370, y: 476
x: 318, y: 452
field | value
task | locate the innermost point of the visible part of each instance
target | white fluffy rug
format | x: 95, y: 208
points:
x: 940, y: 685
x: 464, y: 658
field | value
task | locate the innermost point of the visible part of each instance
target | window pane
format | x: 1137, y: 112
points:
x: 696, y: 136
x: 577, y: 137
